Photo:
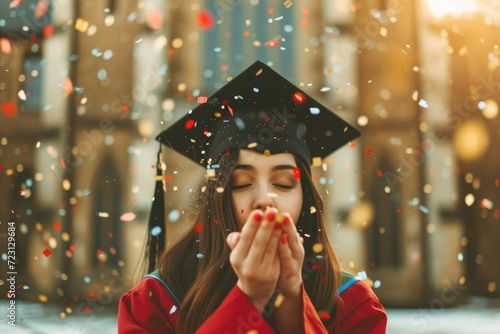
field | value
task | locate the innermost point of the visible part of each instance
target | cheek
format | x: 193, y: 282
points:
x: 241, y: 209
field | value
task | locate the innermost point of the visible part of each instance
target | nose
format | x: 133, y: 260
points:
x: 263, y: 198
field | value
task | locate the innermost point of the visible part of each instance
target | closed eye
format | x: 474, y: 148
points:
x: 241, y: 186
x: 284, y: 186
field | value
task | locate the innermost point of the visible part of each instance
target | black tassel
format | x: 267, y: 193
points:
x: 156, y: 243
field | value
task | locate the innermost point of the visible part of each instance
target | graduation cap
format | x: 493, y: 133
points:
x: 257, y: 110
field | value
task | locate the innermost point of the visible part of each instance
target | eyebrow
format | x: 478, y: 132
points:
x: 274, y: 169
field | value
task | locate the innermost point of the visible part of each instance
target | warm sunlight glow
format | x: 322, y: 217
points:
x: 441, y: 8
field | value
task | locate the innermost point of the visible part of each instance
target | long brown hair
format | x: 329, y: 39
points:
x: 197, y: 266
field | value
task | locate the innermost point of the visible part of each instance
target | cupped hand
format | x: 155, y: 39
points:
x: 255, y: 258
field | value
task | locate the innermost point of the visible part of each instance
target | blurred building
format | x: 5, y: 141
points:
x: 85, y: 86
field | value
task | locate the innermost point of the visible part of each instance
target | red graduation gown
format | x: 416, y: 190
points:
x: 151, y: 308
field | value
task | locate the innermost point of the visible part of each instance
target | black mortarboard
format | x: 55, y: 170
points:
x: 258, y: 110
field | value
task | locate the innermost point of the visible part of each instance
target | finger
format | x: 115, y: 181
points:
x: 271, y: 251
x: 262, y: 236
x: 293, y: 237
x: 232, y: 239
x: 247, y: 235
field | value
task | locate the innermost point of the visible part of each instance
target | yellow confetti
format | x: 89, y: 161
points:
x: 81, y: 25
x: 316, y: 161
x: 103, y: 214
x: 267, y: 153
x: 312, y: 209
x: 279, y: 300
x: 317, y: 247
x: 280, y: 218
x: 287, y: 4
x: 43, y: 298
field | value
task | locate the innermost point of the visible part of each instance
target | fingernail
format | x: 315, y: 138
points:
x: 284, y: 239
x: 257, y: 216
x: 286, y: 221
x: 277, y: 226
x: 270, y: 216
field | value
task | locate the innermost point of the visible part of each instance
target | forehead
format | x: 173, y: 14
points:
x: 256, y: 159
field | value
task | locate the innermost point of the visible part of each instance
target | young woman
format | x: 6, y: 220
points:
x: 257, y: 259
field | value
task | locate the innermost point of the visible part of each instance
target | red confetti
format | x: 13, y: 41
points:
x: 368, y: 151
x: 496, y: 213
x: 206, y: 20
x: 216, y: 222
x: 41, y: 8
x: 230, y: 110
x: 56, y: 226
x: 47, y: 252
x: 9, y: 109
x: 198, y: 227
x: 72, y: 248
x: 272, y: 42
x: 352, y: 144
x: 168, y: 178
x: 299, y: 97
x: 380, y: 173
x: 154, y: 20
x: 296, y: 173
x: 15, y: 3
x: 497, y: 183
x: 68, y: 85
x: 1, y: 168
x: 325, y: 316
x: 189, y: 124
x: 48, y: 31
x: 202, y: 99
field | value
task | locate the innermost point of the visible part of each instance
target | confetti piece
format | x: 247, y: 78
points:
x: 47, y: 252
x: 198, y: 227
x: 317, y: 247
x: 368, y: 151
x: 156, y: 231
x: 81, y: 25
x: 15, y: 3
x: 202, y: 99
x: 296, y: 173
x: 173, y: 309
x: 280, y: 218
x: 279, y: 300
x: 312, y: 209
x: 5, y: 45
x: 9, y: 109
x: 1, y: 168
x: 205, y: 19
x: 56, y: 226
x: 41, y: 8
x: 22, y: 95
x: 423, y: 103
x: 128, y: 217
x: 299, y: 97
x: 272, y: 43
x: 324, y: 315
x: 287, y: 4
x: 67, y: 85
x: 155, y: 20
x: 103, y: 214
x: 314, y: 110
x: 189, y: 124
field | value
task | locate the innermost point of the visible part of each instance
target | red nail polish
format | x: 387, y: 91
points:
x: 286, y: 221
x: 257, y: 216
x: 284, y: 239
x: 270, y: 216
x: 277, y: 226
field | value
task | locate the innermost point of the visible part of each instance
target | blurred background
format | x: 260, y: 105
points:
x: 85, y: 86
